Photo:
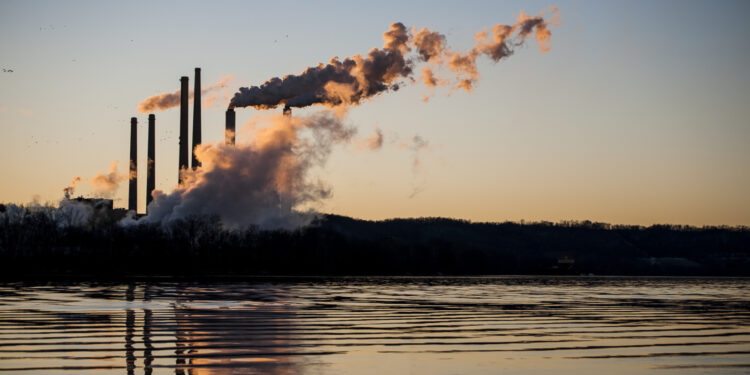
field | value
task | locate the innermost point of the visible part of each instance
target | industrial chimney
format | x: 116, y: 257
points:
x: 150, y: 165
x: 183, y: 126
x: 196, y: 116
x: 133, y: 175
x: 229, y: 131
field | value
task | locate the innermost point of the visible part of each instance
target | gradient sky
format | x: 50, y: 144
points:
x: 639, y: 114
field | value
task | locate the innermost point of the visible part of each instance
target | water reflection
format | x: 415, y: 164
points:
x: 240, y: 330
x: 148, y: 357
x: 386, y: 325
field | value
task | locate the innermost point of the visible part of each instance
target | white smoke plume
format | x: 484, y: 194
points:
x: 338, y: 82
x: 358, y: 78
x: 264, y: 182
x: 106, y: 184
x: 267, y: 182
x: 168, y: 100
x: 68, y: 191
x: 68, y: 213
x: 71, y: 213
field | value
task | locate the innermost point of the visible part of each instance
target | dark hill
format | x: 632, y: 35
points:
x: 337, y: 245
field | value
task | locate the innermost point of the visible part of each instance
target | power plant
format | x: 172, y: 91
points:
x: 133, y: 173
x: 184, y: 154
x: 196, y: 117
x: 229, y: 130
x: 183, y: 127
x: 151, y: 162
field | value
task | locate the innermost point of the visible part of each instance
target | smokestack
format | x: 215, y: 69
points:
x: 133, y: 176
x: 196, y: 116
x: 183, y: 126
x: 229, y: 132
x: 150, y: 165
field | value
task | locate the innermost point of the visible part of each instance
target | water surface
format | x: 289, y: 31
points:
x: 472, y: 325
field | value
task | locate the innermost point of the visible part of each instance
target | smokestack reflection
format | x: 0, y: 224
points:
x: 148, y: 357
x: 196, y: 330
x: 183, y: 126
x: 129, y: 334
x: 210, y: 337
x: 133, y: 175
x: 196, y: 116
x: 229, y: 132
x: 130, y: 331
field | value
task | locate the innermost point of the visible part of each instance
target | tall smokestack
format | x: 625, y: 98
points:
x: 183, y: 126
x: 151, y: 166
x: 196, y: 116
x: 133, y: 175
x: 229, y: 132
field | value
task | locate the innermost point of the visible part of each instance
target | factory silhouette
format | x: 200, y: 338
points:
x: 56, y: 243
x: 206, y: 231
x: 185, y: 154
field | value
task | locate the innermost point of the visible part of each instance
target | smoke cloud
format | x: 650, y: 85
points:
x: 339, y: 82
x: 267, y: 181
x: 264, y: 182
x: 355, y: 79
x: 70, y: 190
x: 168, y: 100
x: 106, y: 184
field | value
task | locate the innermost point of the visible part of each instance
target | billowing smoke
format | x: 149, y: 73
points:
x: 498, y: 44
x: 168, y: 100
x: 68, y: 191
x: 338, y: 82
x: 360, y: 77
x: 264, y: 182
x: 103, y: 185
x: 267, y: 182
x: 106, y: 184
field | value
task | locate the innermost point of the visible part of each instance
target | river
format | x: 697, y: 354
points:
x: 379, y: 325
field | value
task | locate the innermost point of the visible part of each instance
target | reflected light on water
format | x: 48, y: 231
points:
x: 481, y: 325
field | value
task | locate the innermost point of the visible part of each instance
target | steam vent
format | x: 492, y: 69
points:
x: 151, y: 164
x: 183, y: 126
x: 196, y: 117
x: 133, y: 175
x: 229, y: 131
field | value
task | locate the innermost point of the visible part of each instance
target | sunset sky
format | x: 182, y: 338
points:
x: 639, y: 113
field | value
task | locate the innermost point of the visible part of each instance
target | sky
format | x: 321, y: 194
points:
x: 638, y: 114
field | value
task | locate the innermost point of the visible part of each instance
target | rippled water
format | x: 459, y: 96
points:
x: 482, y: 325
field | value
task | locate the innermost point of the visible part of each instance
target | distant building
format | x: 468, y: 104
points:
x: 96, y: 203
